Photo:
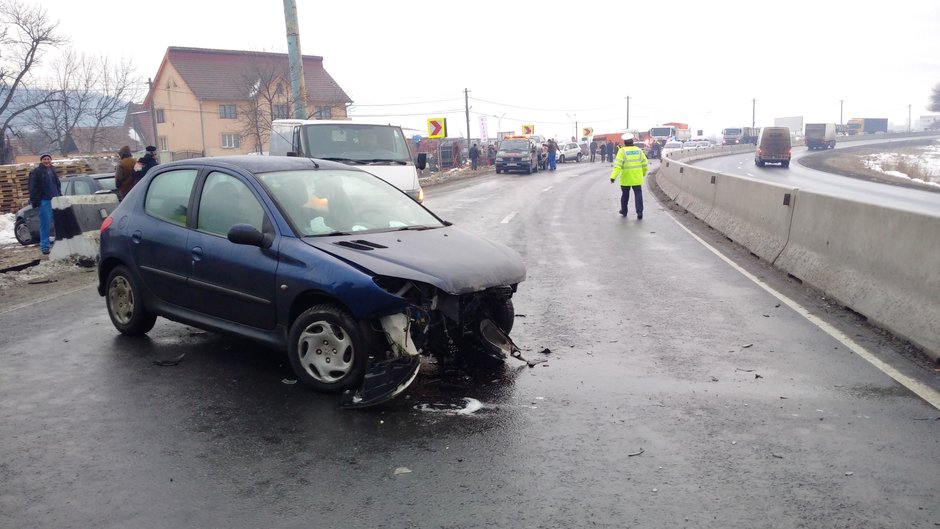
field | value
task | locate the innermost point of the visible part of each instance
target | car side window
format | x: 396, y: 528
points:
x: 81, y: 187
x: 227, y: 201
x: 168, y: 195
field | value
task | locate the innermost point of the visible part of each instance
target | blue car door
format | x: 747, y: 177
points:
x: 236, y: 282
x: 159, y: 238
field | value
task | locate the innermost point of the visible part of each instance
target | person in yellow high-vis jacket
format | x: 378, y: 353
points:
x: 630, y: 167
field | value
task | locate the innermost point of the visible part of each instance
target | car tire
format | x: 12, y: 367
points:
x: 502, y: 312
x: 327, y: 349
x: 578, y: 159
x: 785, y: 164
x: 22, y: 234
x: 126, y: 305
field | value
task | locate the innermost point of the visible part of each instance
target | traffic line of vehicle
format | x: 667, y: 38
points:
x: 508, y: 218
x: 922, y: 390
x: 43, y: 299
x: 547, y: 188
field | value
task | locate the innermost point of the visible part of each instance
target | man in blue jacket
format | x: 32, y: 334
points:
x: 43, y: 186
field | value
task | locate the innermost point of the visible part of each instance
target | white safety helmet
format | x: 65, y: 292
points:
x: 627, y: 136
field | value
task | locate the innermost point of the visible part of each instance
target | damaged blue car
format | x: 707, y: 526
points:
x: 350, y: 276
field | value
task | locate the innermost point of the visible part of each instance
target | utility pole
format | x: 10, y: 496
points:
x: 841, y: 101
x: 466, y: 105
x: 628, y: 114
x: 753, y: 113
x: 297, y: 88
x: 153, y: 113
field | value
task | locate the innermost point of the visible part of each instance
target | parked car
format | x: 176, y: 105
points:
x: 670, y: 147
x: 346, y: 273
x: 568, y: 152
x: 26, y: 225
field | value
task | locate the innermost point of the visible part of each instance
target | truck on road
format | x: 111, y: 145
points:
x: 739, y: 135
x: 820, y: 136
x: 670, y: 132
x: 867, y: 126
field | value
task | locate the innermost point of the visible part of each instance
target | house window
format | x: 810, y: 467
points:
x: 281, y: 111
x: 323, y: 113
x: 160, y: 118
x: 227, y: 112
x: 231, y: 141
x: 164, y: 143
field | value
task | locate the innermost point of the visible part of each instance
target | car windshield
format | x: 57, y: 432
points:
x: 336, y: 201
x: 673, y: 145
x: 514, y: 145
x: 349, y: 142
x: 732, y: 132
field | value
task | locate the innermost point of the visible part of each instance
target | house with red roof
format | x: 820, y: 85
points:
x: 206, y: 102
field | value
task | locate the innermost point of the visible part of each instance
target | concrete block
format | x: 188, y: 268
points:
x: 753, y: 214
x: 882, y: 263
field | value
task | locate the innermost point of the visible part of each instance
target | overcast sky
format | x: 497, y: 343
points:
x: 698, y: 62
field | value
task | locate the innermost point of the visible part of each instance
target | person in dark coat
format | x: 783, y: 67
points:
x: 593, y: 150
x: 43, y: 187
x: 474, y: 156
x: 144, y: 163
x: 603, y: 151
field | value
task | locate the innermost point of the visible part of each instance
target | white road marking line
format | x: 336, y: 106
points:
x: 547, y: 188
x: 920, y: 389
x: 508, y: 218
x: 749, y: 174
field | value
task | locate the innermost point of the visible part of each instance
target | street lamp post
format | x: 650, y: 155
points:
x: 575, y: 120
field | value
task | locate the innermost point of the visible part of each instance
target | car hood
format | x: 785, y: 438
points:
x: 449, y: 258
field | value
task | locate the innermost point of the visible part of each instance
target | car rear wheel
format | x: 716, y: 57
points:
x: 125, y: 304
x: 327, y: 349
x: 578, y: 159
x: 21, y: 231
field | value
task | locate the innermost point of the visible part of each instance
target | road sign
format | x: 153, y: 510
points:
x: 528, y: 129
x: 587, y: 131
x: 437, y: 127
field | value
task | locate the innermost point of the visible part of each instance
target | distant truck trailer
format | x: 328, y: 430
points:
x: 820, y: 136
x: 858, y: 126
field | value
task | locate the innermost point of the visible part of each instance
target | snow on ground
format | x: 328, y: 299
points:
x: 6, y: 228
x: 924, y: 166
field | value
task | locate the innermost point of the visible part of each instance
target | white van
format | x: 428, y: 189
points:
x: 378, y: 149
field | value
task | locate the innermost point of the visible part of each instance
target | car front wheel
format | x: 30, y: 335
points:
x: 327, y: 349
x: 125, y: 304
x: 21, y: 231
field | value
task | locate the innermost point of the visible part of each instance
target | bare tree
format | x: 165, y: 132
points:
x: 935, y: 99
x: 116, y: 86
x: 25, y: 33
x: 92, y: 93
x: 268, y: 98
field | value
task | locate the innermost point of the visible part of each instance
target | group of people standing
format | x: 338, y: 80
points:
x: 608, y: 150
x: 44, y: 185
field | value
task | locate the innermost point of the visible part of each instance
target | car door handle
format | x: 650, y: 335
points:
x: 137, y: 236
x: 197, y: 253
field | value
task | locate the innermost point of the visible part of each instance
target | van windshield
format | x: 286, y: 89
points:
x: 661, y: 131
x: 516, y: 145
x: 350, y: 142
x: 732, y: 132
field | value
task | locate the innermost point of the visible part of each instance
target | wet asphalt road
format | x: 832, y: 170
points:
x: 675, y: 393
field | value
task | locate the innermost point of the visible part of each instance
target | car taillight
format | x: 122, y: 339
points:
x: 106, y: 223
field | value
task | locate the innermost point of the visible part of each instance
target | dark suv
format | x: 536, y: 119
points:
x: 517, y: 154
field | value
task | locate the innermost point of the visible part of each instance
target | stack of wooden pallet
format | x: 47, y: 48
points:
x: 14, y: 181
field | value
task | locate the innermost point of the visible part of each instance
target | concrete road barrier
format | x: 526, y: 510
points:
x: 77, y: 222
x: 882, y: 263
x: 754, y: 214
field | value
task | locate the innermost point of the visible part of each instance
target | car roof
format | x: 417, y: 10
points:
x: 262, y: 164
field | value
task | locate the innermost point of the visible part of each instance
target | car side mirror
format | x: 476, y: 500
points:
x: 248, y: 235
x: 422, y: 161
